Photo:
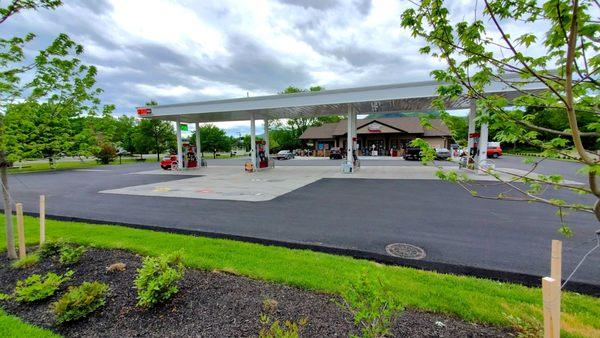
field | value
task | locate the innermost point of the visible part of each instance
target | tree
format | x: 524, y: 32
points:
x: 13, y: 66
x: 161, y: 132
x: 476, y: 55
x: 213, y: 139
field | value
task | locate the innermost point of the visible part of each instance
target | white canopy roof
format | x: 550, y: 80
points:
x: 403, y: 97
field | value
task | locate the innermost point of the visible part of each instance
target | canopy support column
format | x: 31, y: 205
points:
x: 198, y: 144
x: 267, y: 146
x: 179, y: 146
x: 472, y: 115
x: 483, y: 143
x: 350, y: 139
x: 253, y: 141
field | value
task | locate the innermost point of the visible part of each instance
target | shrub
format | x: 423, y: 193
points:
x: 374, y: 308
x: 50, y: 249
x: 106, y: 153
x: 27, y: 261
x: 80, y: 301
x: 275, y: 330
x: 269, y: 305
x: 71, y: 254
x: 157, y: 279
x: 36, y: 287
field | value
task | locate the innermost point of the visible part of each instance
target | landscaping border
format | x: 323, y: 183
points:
x: 455, y: 269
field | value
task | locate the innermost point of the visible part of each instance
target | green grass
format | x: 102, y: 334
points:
x: 472, y: 299
x: 29, y: 167
x: 12, y: 326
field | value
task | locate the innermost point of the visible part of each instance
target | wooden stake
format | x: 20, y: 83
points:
x: 556, y: 274
x: 551, y: 296
x: 21, y: 230
x: 556, y: 261
x: 42, y: 219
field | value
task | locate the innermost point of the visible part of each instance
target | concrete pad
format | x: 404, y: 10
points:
x: 232, y: 183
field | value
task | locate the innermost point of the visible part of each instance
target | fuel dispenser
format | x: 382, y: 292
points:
x: 262, y: 158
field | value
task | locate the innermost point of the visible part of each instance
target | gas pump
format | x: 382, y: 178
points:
x: 192, y: 160
x: 261, y: 158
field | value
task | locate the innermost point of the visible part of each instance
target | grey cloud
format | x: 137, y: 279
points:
x: 316, y: 4
x: 251, y: 64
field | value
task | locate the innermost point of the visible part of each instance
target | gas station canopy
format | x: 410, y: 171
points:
x: 394, y: 98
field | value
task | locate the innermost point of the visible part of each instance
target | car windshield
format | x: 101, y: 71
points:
x: 283, y: 152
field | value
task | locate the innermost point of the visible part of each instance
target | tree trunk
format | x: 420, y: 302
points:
x: 10, y: 238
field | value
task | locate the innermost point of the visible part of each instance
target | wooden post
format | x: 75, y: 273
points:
x: 21, y: 230
x: 556, y: 261
x: 551, y: 297
x: 42, y: 219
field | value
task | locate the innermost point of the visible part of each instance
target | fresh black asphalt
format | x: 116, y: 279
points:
x: 356, y: 214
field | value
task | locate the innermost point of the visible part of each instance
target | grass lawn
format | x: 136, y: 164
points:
x: 64, y: 165
x: 11, y: 326
x: 472, y: 299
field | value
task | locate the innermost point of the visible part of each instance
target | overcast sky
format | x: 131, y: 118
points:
x: 187, y: 50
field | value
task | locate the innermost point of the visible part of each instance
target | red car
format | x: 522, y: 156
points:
x: 167, y: 161
x: 494, y: 151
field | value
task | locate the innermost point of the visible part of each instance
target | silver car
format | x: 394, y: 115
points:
x: 284, y: 155
x: 442, y: 153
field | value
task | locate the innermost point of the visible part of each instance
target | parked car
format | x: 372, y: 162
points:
x: 412, y: 153
x: 442, y: 153
x: 167, y: 161
x: 335, y: 154
x: 122, y: 152
x: 284, y: 155
x: 494, y: 151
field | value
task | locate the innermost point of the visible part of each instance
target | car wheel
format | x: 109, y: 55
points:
x: 165, y: 167
x: 495, y: 155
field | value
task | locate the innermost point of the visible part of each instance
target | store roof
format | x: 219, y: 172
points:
x: 410, y: 125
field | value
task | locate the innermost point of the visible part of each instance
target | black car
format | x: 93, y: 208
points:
x: 335, y: 154
x: 412, y: 153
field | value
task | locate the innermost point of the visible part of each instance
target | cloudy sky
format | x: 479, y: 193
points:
x: 187, y: 50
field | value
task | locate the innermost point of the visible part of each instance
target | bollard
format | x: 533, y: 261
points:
x: 21, y: 230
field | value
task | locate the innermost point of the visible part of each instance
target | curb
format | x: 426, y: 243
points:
x: 447, y: 268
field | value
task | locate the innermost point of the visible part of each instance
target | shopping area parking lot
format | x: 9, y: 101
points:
x: 310, y: 202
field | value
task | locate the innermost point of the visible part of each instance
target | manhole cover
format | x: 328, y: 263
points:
x: 404, y: 250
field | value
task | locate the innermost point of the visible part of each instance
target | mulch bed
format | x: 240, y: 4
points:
x: 209, y: 304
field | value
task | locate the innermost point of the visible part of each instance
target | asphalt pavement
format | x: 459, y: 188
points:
x: 357, y: 214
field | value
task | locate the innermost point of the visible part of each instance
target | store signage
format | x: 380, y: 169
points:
x: 473, y: 135
x: 144, y: 111
x: 184, y: 127
x: 374, y: 128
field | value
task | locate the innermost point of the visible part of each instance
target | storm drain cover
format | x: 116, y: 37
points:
x: 404, y: 250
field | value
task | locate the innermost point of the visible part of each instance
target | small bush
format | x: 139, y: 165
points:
x: 275, y: 330
x: 36, y: 287
x: 157, y: 279
x: 26, y: 262
x: 116, y: 267
x: 106, y: 153
x: 71, y: 254
x: 269, y: 305
x: 374, y: 308
x: 50, y: 249
x: 80, y: 301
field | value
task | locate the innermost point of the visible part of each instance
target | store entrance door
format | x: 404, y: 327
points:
x: 376, y: 147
